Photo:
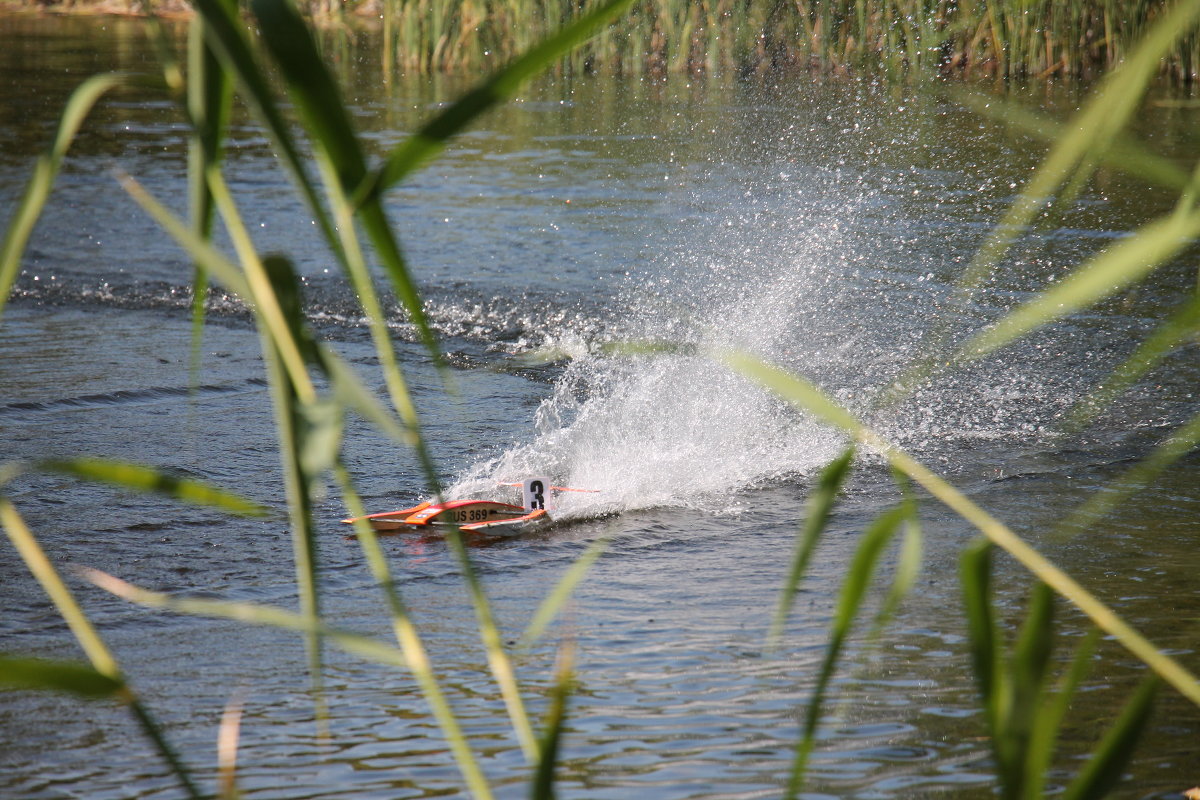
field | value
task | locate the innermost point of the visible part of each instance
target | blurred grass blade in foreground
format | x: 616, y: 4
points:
x: 554, y: 602
x: 806, y: 396
x: 411, y: 655
x: 820, y: 504
x: 543, y: 780
x: 89, y: 639
x: 1123, y: 264
x: 209, y: 104
x: 1180, y: 442
x: 502, y: 85
x: 147, y: 479
x: 1023, y: 714
x: 342, y: 163
x: 859, y: 574
x: 1090, y: 134
x: 322, y: 111
x: 410, y: 643
x: 1103, y: 770
x: 309, y: 432
x: 909, y: 559
x: 226, y: 34
x: 1170, y: 335
x: 37, y: 191
x: 1071, y: 161
x: 60, y: 676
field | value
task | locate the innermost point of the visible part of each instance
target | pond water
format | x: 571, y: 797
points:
x: 819, y: 224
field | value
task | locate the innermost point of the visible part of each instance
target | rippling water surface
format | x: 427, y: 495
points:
x: 819, y: 225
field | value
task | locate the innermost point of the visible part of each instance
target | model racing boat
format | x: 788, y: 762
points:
x: 474, y: 515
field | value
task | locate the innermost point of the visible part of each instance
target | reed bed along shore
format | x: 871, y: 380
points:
x: 1024, y: 39
x: 1008, y: 38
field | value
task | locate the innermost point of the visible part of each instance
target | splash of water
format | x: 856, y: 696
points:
x: 675, y: 429
x: 828, y: 272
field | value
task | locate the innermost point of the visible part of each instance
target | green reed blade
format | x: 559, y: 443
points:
x: 493, y: 642
x: 226, y: 34
x: 37, y: 191
x: 319, y: 421
x: 351, y: 392
x: 1117, y: 267
x: 375, y: 222
x: 1023, y: 719
x: 1108, y: 761
x: 318, y: 101
x: 1177, y: 330
x: 147, y: 479
x: 975, y: 577
x: 298, y: 421
x: 908, y: 564
x: 163, y: 48
x: 209, y: 105
x: 1124, y: 154
x: 407, y: 637
x: 64, y: 601
x: 497, y: 658
x: 411, y: 656
x: 543, y: 778
x: 320, y: 106
x: 859, y: 575
x: 1104, y: 617
x: 1028, y: 667
x: 198, y: 248
x: 1032, y: 650
x: 71, y: 677
x: 805, y: 396
x: 355, y: 644
x: 550, y: 607
x: 793, y: 388
x: 253, y: 286
x: 908, y: 569
x: 1182, y: 441
x: 820, y: 505
x: 1090, y: 133
x: 419, y: 148
x: 1049, y: 717
x: 153, y: 731
x: 322, y: 425
x: 94, y: 648
x: 317, y: 98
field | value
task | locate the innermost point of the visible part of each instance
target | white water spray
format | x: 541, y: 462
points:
x: 824, y: 271
x: 675, y: 429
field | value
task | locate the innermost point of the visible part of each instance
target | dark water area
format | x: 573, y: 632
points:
x: 818, y: 224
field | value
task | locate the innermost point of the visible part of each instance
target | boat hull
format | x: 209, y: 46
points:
x: 467, y: 515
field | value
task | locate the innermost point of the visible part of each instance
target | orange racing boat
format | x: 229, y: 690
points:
x: 474, y: 515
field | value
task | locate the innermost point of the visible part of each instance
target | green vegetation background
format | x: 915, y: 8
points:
x: 1075, y: 39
